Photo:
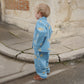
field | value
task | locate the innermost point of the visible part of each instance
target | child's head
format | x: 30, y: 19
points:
x: 42, y: 10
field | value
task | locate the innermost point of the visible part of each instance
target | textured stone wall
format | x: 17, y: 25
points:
x: 67, y: 16
x: 24, y: 19
x: 17, y: 5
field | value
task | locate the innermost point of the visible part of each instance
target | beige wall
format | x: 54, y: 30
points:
x: 66, y: 16
x: 22, y: 18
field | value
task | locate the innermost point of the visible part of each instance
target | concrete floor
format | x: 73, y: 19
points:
x: 71, y: 76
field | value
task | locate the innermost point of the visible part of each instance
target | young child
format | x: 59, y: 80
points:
x: 41, y: 43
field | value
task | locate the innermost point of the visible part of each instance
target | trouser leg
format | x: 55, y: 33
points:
x: 47, y: 63
x: 41, y: 64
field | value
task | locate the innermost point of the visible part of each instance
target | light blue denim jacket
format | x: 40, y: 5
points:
x: 42, y: 35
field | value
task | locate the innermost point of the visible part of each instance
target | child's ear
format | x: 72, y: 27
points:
x: 40, y: 14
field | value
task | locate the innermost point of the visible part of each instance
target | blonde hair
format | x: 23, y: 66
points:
x: 44, y: 9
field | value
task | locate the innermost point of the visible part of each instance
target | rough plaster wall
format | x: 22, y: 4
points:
x: 67, y: 16
x: 24, y: 19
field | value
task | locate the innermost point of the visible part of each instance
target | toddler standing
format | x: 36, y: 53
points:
x: 41, y: 43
